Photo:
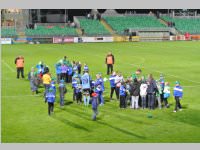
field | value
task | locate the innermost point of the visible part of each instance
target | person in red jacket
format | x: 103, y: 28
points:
x: 19, y: 61
x: 110, y: 60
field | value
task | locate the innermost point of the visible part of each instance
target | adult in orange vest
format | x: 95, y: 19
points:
x: 110, y: 60
x: 19, y: 61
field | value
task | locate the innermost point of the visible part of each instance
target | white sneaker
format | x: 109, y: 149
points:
x: 174, y: 111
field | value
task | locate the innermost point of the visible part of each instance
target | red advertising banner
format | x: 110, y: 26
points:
x: 68, y: 39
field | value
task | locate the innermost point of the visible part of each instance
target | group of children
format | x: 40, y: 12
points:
x: 136, y: 90
x: 143, y: 93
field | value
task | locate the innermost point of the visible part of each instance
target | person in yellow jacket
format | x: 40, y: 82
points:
x: 46, y: 78
x: 19, y: 61
x: 110, y: 60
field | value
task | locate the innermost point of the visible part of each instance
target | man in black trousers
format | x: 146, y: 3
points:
x: 110, y: 60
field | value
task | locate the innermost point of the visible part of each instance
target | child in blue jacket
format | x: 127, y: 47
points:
x: 178, y: 94
x: 122, y: 95
x: 112, y: 85
x: 50, y: 98
x: 94, y: 105
x: 99, y: 88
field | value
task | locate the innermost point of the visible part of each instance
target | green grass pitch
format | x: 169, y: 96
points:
x: 25, y: 118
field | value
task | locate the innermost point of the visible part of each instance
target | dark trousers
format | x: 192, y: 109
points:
x: 143, y: 101
x: 58, y: 78
x: 112, y: 89
x: 20, y: 71
x: 79, y: 97
x: 109, y: 68
x: 122, y: 101
x: 117, y: 92
x: 166, y: 102
x: 151, y: 100
x: 50, y: 108
x: 178, y: 104
x: 69, y: 78
x: 63, y: 76
x: 95, y: 112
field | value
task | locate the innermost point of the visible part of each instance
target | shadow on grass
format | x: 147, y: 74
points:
x: 70, y: 123
x: 121, y: 130
x: 86, y: 117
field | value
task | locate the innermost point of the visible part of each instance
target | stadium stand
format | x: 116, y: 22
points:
x: 51, y: 31
x: 191, y: 25
x: 120, y: 23
x: 8, y: 32
x: 93, y: 27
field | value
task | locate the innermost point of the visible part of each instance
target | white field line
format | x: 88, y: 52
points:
x: 8, y: 66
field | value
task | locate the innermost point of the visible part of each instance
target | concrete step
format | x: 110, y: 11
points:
x: 107, y: 26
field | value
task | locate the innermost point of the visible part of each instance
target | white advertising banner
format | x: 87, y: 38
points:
x: 92, y: 39
x: 5, y: 40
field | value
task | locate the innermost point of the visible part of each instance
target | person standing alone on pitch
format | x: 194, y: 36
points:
x: 110, y: 60
x: 19, y: 61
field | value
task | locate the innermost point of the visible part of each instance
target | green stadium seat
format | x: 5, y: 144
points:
x: 120, y: 23
x: 191, y: 25
x: 93, y: 27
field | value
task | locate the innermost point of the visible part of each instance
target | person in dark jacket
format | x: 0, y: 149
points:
x: 62, y: 91
x: 135, y: 92
x: 110, y: 60
x: 151, y: 91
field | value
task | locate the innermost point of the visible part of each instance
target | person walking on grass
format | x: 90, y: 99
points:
x: 19, y: 61
x: 50, y: 98
x: 110, y: 60
x: 178, y: 94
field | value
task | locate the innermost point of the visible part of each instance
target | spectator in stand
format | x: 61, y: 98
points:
x: 19, y: 61
x: 110, y: 60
